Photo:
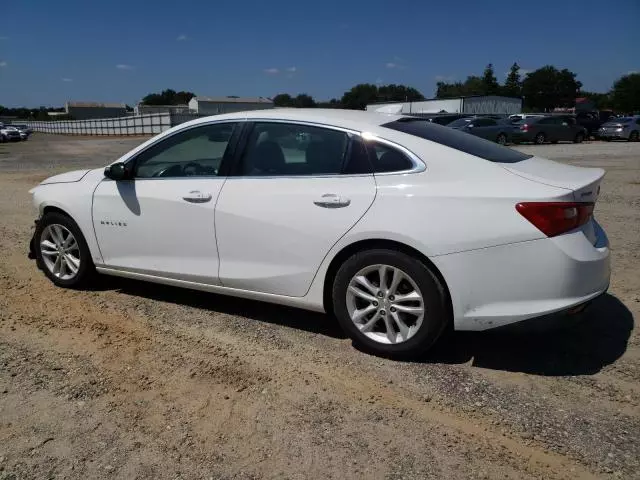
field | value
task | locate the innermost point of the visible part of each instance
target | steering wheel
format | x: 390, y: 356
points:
x: 191, y: 169
x: 177, y: 170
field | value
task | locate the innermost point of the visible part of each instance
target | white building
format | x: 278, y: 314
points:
x: 480, y: 104
x: 141, y: 109
x: 216, y: 105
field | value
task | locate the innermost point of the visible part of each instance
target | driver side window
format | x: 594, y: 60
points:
x: 194, y: 152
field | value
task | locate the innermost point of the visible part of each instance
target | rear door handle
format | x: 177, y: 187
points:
x: 331, y: 200
x: 196, y: 196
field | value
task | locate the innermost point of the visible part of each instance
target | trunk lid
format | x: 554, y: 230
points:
x: 583, y: 182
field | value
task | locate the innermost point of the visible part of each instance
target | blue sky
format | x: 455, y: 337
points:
x: 53, y: 51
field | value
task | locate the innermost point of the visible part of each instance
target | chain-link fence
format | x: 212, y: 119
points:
x: 149, y: 124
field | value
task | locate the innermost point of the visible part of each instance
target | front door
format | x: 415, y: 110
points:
x: 297, y: 189
x: 162, y: 222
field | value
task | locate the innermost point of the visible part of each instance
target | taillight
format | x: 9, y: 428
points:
x: 524, y: 127
x: 554, y: 218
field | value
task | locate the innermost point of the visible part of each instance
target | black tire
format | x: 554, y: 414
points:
x: 86, y: 270
x: 579, y: 138
x: 633, y: 136
x: 432, y: 291
x: 501, y: 139
x: 554, y: 142
x: 606, y: 139
x: 540, y: 138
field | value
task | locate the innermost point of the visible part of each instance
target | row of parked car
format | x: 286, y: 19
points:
x: 14, y: 133
x: 539, y: 128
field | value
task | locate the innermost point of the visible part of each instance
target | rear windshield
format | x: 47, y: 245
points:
x: 461, y: 122
x: 457, y: 140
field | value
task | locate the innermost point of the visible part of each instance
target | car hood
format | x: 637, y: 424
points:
x: 68, y: 177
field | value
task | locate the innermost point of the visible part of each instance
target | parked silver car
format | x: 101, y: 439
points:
x: 623, y: 128
x: 9, y: 134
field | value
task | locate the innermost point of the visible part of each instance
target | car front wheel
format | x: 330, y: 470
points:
x: 62, y: 252
x: 389, y: 303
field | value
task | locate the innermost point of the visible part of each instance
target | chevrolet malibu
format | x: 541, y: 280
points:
x: 397, y: 226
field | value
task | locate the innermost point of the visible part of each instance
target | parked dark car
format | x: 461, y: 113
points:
x: 496, y: 130
x: 554, y: 129
x: 627, y: 128
x: 590, y: 121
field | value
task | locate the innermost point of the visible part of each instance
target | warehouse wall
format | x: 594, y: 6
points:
x: 85, y: 113
x: 449, y: 105
x: 492, y: 104
x: 215, y: 108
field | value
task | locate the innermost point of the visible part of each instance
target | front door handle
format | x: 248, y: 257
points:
x: 196, y: 196
x: 331, y: 200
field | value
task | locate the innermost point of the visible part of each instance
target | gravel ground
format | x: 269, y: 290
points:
x: 133, y: 380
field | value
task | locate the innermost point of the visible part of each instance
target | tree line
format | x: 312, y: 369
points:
x: 541, y: 90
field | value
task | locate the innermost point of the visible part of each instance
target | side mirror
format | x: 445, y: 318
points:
x: 117, y: 171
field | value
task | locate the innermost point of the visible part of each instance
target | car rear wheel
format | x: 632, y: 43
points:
x: 501, y: 139
x: 540, y: 138
x: 389, y: 303
x: 578, y: 138
x: 633, y: 136
x: 62, y: 252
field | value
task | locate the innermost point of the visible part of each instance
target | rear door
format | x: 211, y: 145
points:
x: 485, y: 128
x: 295, y: 190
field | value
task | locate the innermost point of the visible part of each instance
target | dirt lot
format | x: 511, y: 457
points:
x: 133, y: 380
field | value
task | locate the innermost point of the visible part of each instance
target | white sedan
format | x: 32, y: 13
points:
x: 397, y: 226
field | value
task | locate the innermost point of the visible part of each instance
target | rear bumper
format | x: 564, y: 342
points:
x: 503, y: 285
x: 611, y: 136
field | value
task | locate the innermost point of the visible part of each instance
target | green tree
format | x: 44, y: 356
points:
x: 398, y: 93
x: 359, y: 96
x: 168, y: 97
x: 625, y: 95
x: 283, y: 100
x: 42, y: 115
x: 600, y: 100
x: 304, y: 101
x: 512, y: 85
x: 490, y: 84
x: 473, y: 85
x: 548, y: 88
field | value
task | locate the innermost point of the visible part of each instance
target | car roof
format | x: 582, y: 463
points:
x: 350, y: 119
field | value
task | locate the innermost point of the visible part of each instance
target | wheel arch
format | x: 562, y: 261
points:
x: 370, y: 244
x: 56, y: 209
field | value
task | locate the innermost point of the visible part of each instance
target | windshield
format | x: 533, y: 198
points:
x: 461, y: 122
x: 457, y: 140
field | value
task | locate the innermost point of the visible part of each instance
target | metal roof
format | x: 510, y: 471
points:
x: 95, y: 104
x: 233, y: 99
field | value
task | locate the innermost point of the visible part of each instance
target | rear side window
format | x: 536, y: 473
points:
x: 457, y: 140
x: 387, y: 159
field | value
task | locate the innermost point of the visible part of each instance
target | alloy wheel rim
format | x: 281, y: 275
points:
x: 502, y: 140
x: 385, y: 304
x: 60, y: 251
